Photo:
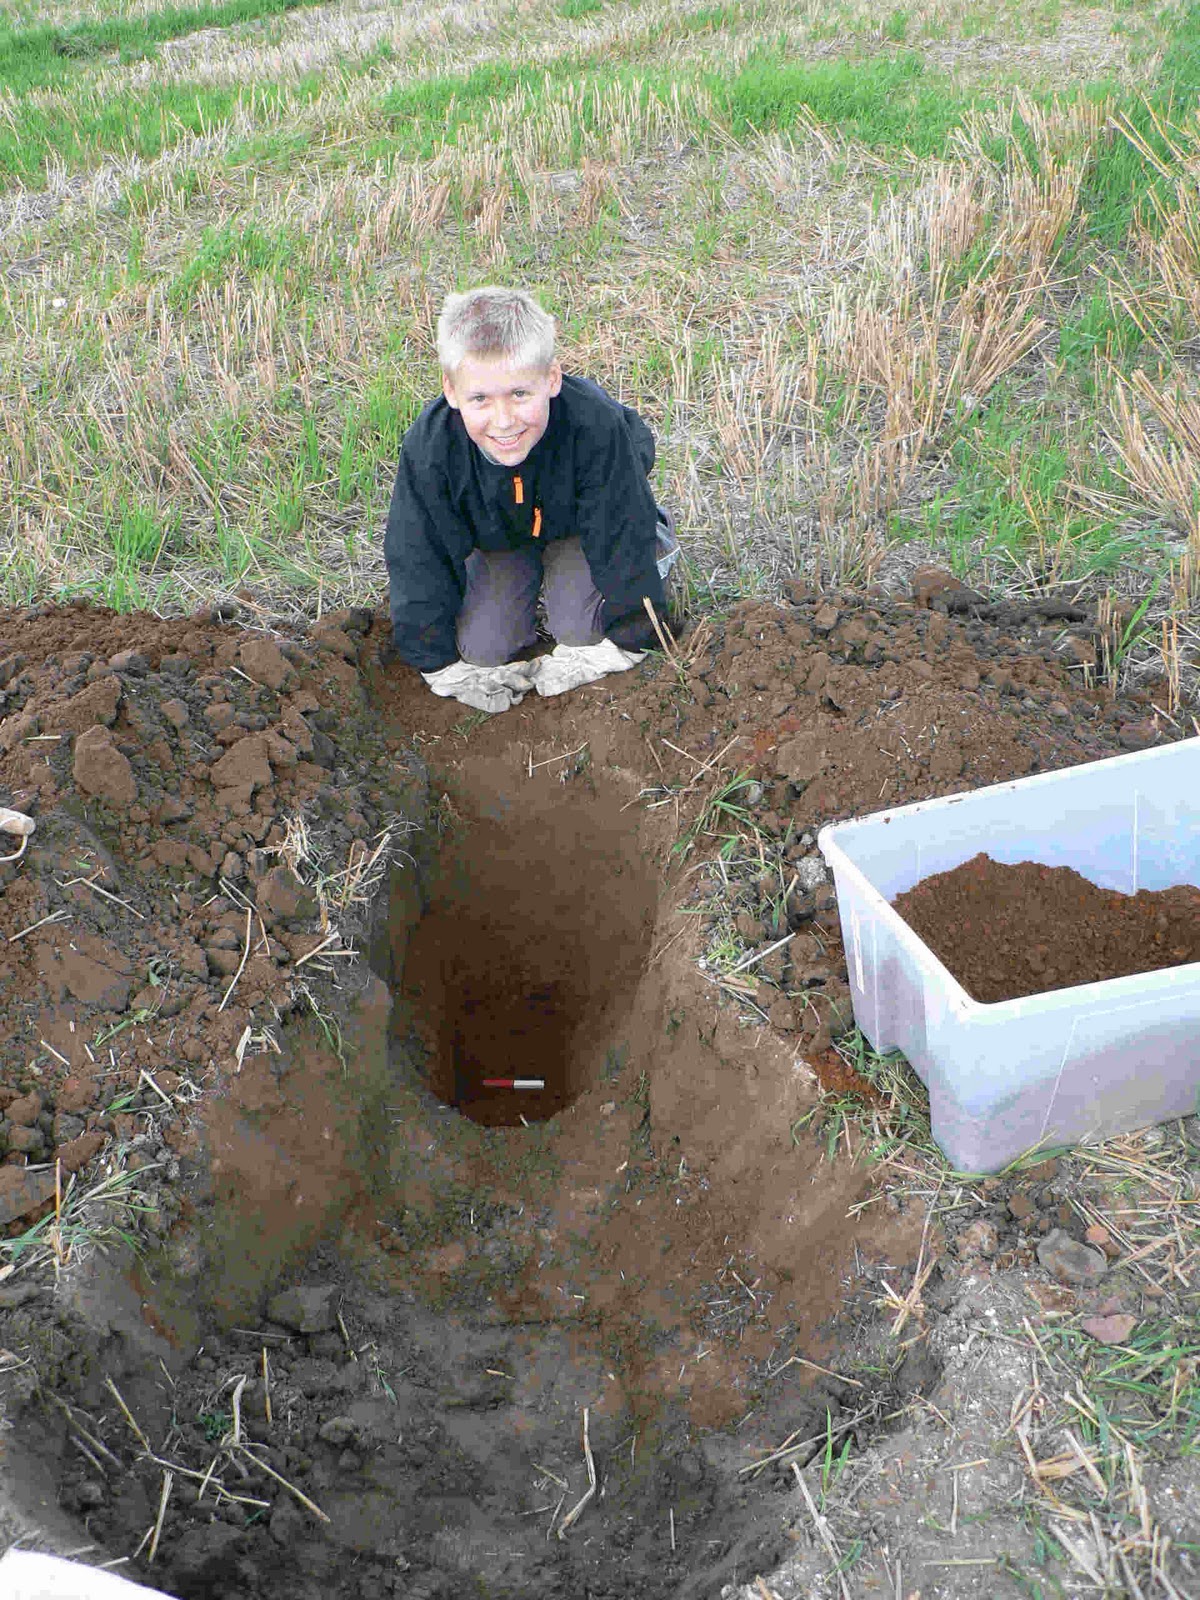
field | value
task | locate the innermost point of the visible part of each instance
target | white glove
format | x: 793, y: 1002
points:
x: 569, y: 665
x: 488, y: 689
x: 25, y: 1576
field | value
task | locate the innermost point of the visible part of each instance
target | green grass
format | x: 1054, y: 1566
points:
x: 1100, y: 328
x: 40, y: 56
x: 899, y: 1121
x: 890, y: 102
x: 1122, y: 180
x: 1144, y: 1391
x: 139, y: 122
x: 274, y: 254
x: 1012, y: 497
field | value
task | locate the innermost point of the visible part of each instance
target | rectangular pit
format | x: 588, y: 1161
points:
x: 1052, y: 1068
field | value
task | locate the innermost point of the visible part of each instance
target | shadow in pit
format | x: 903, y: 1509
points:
x: 536, y: 922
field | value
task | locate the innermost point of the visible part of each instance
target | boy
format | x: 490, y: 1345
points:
x: 520, y: 480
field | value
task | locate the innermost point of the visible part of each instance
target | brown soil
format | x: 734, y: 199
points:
x: 1006, y: 931
x: 655, y: 1241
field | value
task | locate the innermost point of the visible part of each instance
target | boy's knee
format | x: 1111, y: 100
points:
x: 486, y: 658
x: 490, y: 644
x: 578, y: 633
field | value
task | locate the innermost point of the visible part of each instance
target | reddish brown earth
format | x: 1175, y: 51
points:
x: 1006, y: 931
x: 665, y: 1250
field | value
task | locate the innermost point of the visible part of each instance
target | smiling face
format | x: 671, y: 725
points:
x: 505, y: 406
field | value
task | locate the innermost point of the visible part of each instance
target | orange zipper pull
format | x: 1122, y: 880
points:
x: 518, y: 490
x: 537, y: 522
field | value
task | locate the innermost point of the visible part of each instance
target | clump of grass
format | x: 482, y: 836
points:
x: 93, y: 1212
x: 886, y: 1125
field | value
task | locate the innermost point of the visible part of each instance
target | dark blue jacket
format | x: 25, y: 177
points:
x: 587, y: 475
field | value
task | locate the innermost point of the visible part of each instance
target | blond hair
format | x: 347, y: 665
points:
x: 492, y: 322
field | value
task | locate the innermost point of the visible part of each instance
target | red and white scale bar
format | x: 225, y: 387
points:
x: 514, y: 1083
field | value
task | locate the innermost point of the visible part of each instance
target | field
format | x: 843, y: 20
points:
x: 893, y: 289
x: 922, y: 284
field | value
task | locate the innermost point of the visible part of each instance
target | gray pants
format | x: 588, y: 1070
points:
x: 499, y: 610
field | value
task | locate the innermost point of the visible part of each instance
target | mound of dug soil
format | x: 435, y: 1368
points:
x: 375, y: 1306
x: 157, y: 916
x: 1005, y: 931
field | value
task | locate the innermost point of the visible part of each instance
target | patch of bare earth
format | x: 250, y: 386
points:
x: 643, y: 1331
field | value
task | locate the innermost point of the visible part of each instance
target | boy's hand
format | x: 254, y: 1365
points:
x: 569, y: 665
x: 489, y: 689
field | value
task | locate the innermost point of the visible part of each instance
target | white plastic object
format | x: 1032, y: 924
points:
x: 16, y: 822
x: 26, y: 1575
x: 1053, y: 1068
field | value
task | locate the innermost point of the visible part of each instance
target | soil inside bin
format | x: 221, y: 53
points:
x: 1010, y: 930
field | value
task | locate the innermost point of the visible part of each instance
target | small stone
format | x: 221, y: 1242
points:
x: 1111, y: 1329
x: 22, y: 1191
x: 1138, y: 735
x: 1069, y: 1261
x: 131, y: 661
x: 810, y: 874
x: 1020, y: 1207
x: 1100, y: 1237
x: 979, y: 1238
x: 306, y: 1308
x: 281, y: 896
x: 339, y: 1431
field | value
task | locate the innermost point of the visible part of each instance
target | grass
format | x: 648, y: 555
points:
x: 41, y: 55
x: 774, y: 413
x: 96, y: 1212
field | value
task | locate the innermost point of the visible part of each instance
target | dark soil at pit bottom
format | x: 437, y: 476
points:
x: 459, y: 1312
x: 1010, y: 930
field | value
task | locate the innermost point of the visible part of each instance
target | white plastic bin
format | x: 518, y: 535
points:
x: 1053, y: 1068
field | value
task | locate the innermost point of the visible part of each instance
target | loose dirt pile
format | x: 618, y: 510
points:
x: 1005, y: 931
x: 155, y: 913
x: 366, y: 1326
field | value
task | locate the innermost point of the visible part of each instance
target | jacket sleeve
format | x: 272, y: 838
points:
x: 617, y: 518
x: 426, y: 549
